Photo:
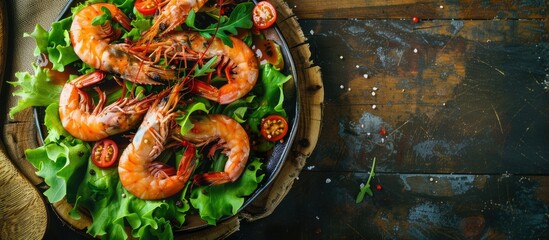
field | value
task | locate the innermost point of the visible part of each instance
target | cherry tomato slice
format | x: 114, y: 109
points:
x: 104, y: 153
x: 274, y: 127
x: 263, y: 15
x: 146, y: 7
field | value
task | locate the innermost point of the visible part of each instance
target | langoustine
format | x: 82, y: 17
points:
x: 138, y: 169
x: 229, y: 136
x: 239, y: 62
x: 91, y: 123
x: 92, y: 44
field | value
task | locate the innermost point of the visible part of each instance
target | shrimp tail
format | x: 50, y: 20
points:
x: 213, y: 178
x: 186, y: 165
x: 89, y: 79
x: 205, y: 90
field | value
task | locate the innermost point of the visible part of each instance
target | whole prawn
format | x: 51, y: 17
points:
x: 139, y: 173
x: 172, y: 14
x: 239, y: 62
x: 92, y: 44
x: 230, y: 136
x: 89, y: 123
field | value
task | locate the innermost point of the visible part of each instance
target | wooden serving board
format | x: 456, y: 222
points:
x: 20, y: 134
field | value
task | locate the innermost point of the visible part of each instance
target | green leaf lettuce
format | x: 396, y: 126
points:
x: 60, y: 161
x: 215, y: 202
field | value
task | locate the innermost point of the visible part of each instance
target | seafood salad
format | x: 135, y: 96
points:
x: 155, y: 111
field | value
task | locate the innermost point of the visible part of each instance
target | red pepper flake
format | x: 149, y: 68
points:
x: 383, y: 132
x: 378, y: 186
x: 415, y: 19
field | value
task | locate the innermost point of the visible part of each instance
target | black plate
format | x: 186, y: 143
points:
x: 274, y: 163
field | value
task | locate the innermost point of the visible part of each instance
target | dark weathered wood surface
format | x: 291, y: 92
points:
x: 466, y: 116
x: 462, y: 97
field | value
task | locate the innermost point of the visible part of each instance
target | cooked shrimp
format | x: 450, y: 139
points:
x: 239, y: 61
x: 139, y: 173
x: 230, y: 137
x: 172, y: 14
x: 92, y: 44
x: 89, y: 123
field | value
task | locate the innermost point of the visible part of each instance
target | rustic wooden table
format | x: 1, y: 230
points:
x: 454, y: 108
x: 462, y: 98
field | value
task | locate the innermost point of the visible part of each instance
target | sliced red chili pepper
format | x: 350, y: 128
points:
x: 263, y: 15
x: 274, y: 127
x: 104, y: 153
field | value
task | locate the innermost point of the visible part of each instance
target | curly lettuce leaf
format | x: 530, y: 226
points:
x: 215, y: 202
x: 40, y: 36
x: 140, y: 25
x: 56, y: 43
x: 272, y: 82
x: 60, y: 161
x: 34, y: 90
x: 113, y: 208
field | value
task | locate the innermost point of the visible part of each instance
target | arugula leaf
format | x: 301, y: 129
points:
x: 366, y: 188
x: 240, y: 17
x: 238, y: 109
x: 205, y: 69
x: 215, y: 202
x: 60, y: 161
x: 34, y: 90
x: 103, y: 18
x: 184, y: 120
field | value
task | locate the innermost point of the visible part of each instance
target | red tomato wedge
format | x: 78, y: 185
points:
x: 104, y: 153
x: 274, y: 127
x: 263, y: 15
x: 146, y: 7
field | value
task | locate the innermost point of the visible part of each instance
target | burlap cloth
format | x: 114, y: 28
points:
x: 23, y: 15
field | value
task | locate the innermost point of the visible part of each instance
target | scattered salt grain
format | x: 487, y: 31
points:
x: 341, y: 86
x: 373, y: 93
x: 431, y: 179
x: 317, y: 218
x: 348, y: 89
x: 368, y: 133
x: 374, y: 88
x: 362, y: 125
x: 357, y: 66
x: 340, y: 57
x: 444, y: 104
x: 328, y: 180
x: 310, y: 167
x: 441, y: 7
x: 374, y: 106
x: 415, y: 50
x: 382, y: 140
x: 362, y: 185
x: 365, y: 75
x: 312, y: 32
